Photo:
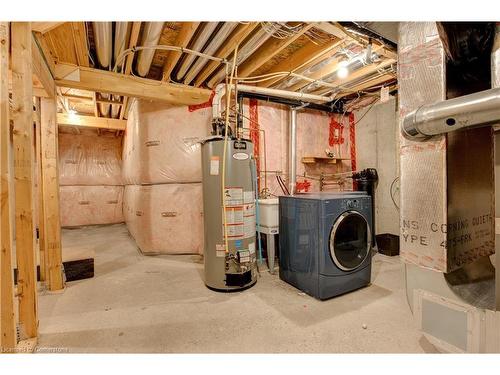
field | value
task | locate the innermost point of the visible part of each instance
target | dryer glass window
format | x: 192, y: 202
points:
x: 350, y: 241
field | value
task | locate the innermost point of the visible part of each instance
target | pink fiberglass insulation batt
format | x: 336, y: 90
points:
x: 90, y: 205
x: 161, y: 144
x: 165, y: 218
x: 89, y: 159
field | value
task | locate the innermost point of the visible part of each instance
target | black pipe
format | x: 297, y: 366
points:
x: 367, y: 33
x: 335, y: 107
x: 239, y: 117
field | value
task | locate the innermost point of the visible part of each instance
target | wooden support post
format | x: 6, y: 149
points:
x: 7, y: 317
x: 50, y: 183
x: 22, y: 96
x: 39, y: 173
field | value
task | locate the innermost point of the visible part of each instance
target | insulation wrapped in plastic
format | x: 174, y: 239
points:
x: 89, y: 159
x: 90, y: 205
x: 165, y: 218
x: 313, y: 135
x: 161, y: 143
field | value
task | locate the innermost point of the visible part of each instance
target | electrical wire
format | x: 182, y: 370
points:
x: 125, y: 53
x: 226, y: 126
x: 392, y: 192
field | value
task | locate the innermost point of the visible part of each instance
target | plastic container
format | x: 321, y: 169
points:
x: 388, y: 244
x: 269, y: 212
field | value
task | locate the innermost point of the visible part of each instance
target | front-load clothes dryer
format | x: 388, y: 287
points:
x: 325, y: 242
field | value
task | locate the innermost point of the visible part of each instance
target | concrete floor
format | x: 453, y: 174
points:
x: 137, y: 303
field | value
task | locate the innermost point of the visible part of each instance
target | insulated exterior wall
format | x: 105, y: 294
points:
x: 313, y: 133
x: 165, y: 218
x: 446, y: 196
x: 89, y: 159
x: 162, y: 143
x: 91, y: 205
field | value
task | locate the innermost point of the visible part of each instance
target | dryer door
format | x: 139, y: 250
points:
x: 350, y: 241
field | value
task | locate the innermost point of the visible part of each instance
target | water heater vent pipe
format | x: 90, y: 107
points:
x: 468, y: 111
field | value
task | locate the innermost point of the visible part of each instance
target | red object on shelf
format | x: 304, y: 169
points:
x: 302, y: 187
x: 336, y: 129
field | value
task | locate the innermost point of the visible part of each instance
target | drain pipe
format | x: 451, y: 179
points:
x: 220, y: 91
x: 103, y: 37
x: 292, y: 151
x: 465, y: 112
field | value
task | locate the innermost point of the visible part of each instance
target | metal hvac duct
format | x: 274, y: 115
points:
x: 474, y: 110
x: 122, y: 34
x: 198, y: 44
x: 212, y: 47
x: 150, y: 37
x: 103, y: 38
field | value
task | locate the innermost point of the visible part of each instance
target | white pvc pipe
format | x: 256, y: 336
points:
x: 246, y: 50
x: 199, y: 42
x: 213, y: 46
x: 103, y: 37
x: 150, y: 37
x: 220, y: 91
x: 122, y: 34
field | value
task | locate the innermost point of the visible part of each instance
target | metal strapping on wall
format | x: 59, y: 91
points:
x: 254, y: 134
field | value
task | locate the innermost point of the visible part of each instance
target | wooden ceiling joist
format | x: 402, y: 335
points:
x: 268, y: 50
x: 134, y: 37
x: 97, y: 80
x: 238, y: 36
x: 80, y: 40
x: 90, y: 121
x: 364, y: 71
x: 44, y: 27
x: 367, y: 84
x: 306, y: 56
x: 185, y: 34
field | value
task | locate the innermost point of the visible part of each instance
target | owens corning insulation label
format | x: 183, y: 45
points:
x: 214, y: 166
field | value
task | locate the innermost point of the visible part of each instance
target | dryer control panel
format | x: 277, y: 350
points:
x: 354, y: 203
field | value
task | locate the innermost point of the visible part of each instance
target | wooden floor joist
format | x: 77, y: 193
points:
x: 91, y: 121
x: 72, y: 76
x: 7, y: 317
x: 185, y: 34
x: 22, y: 97
x: 305, y: 57
x: 50, y: 182
x: 270, y: 48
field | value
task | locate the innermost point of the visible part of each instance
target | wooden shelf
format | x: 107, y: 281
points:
x: 318, y: 159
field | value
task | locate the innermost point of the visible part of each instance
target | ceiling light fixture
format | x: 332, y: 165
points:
x: 343, y: 70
